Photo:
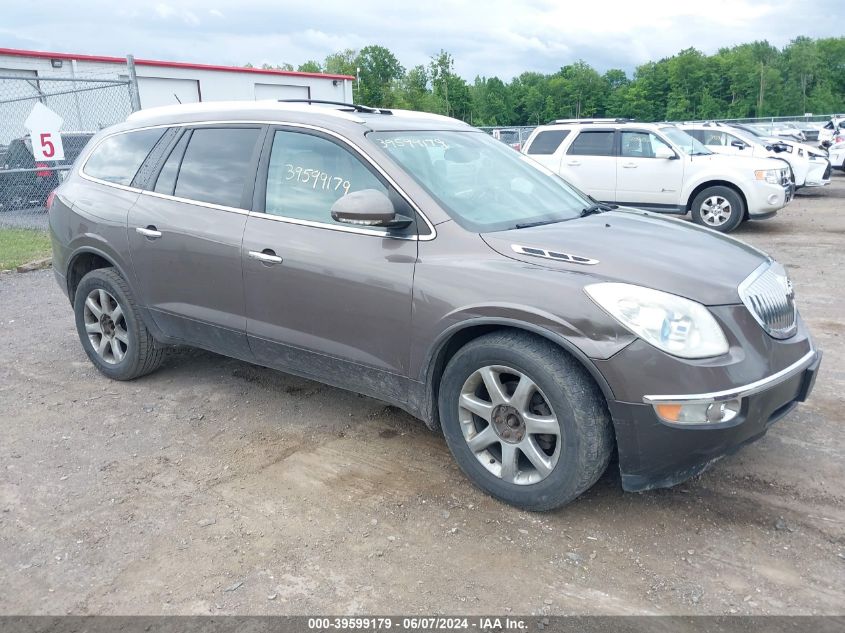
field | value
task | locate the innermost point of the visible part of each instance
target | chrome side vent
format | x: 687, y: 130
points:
x: 769, y: 296
x: 555, y: 255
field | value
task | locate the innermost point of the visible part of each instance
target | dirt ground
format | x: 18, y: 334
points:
x: 213, y: 486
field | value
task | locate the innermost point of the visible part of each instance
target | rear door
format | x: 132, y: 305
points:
x: 326, y: 300
x: 645, y: 177
x: 185, y: 235
x: 547, y: 148
x: 590, y: 163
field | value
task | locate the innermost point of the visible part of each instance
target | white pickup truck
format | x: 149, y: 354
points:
x: 659, y: 167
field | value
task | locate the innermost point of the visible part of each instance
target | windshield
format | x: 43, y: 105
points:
x: 482, y: 183
x: 687, y: 143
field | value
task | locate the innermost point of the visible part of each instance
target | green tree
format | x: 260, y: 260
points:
x: 342, y: 63
x: 311, y: 66
x: 451, y: 93
x: 379, y: 70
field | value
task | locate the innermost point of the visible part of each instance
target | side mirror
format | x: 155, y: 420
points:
x: 738, y: 144
x: 662, y: 151
x: 368, y: 207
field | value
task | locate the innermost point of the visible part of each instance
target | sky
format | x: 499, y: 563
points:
x: 487, y: 37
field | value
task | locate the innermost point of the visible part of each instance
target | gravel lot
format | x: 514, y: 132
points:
x: 213, y: 486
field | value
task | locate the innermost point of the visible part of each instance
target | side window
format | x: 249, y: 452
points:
x: 118, y: 157
x: 307, y: 174
x: 215, y: 166
x: 166, y: 181
x: 592, y: 143
x: 714, y: 137
x: 547, y: 142
x: 641, y: 144
x: 698, y: 135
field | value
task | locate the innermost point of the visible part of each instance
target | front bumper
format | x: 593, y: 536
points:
x: 819, y: 173
x: 765, y: 199
x: 657, y: 454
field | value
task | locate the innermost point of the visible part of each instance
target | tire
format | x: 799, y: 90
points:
x: 710, y: 205
x: 571, y: 462
x: 129, y: 350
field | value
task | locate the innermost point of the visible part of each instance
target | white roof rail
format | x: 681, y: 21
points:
x: 232, y: 106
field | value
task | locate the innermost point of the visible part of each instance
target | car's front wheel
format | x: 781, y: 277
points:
x: 111, y: 329
x: 524, y: 421
x: 719, y: 208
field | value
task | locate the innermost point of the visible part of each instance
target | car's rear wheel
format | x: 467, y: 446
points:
x: 719, y: 208
x: 525, y: 422
x: 111, y: 328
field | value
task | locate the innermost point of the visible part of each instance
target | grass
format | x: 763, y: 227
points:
x: 19, y: 246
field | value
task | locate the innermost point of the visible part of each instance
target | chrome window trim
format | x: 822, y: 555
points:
x: 738, y: 392
x: 278, y: 218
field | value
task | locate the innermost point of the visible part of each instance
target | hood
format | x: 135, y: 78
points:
x: 640, y: 248
x: 749, y: 163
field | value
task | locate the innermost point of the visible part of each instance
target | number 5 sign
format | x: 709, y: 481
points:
x: 44, y: 125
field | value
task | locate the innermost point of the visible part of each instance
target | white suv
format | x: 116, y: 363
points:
x: 810, y: 166
x: 659, y: 167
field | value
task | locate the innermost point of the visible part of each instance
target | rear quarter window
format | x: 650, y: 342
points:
x: 118, y: 157
x: 547, y: 142
x: 592, y: 143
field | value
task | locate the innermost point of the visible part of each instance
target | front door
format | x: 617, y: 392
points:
x: 326, y: 300
x: 590, y: 164
x: 185, y: 238
x: 649, y: 173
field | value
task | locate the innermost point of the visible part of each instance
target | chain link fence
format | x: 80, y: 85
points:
x: 514, y: 135
x: 85, y: 105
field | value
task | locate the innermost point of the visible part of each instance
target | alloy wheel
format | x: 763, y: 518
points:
x: 105, y: 325
x: 715, y: 211
x: 509, y: 425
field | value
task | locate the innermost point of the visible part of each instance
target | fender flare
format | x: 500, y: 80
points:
x: 436, y: 349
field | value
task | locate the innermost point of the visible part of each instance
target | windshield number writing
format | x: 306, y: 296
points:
x: 316, y: 178
x: 403, y: 143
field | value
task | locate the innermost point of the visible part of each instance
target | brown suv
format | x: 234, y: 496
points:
x: 414, y: 259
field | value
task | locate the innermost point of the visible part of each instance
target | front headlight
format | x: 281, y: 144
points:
x: 671, y: 323
x: 769, y: 175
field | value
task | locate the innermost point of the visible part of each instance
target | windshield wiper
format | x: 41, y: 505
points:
x: 528, y: 225
x: 598, y: 207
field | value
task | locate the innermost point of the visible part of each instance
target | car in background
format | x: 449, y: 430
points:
x: 810, y: 166
x: 659, y: 167
x: 513, y: 137
x: 25, y: 182
x: 837, y: 155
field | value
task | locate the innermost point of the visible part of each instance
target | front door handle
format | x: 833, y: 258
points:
x: 266, y: 256
x: 629, y: 165
x: 150, y: 232
x: 573, y: 163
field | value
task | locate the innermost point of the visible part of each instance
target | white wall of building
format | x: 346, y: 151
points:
x: 212, y: 85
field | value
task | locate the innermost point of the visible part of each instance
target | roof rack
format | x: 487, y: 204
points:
x: 356, y: 107
x: 585, y: 121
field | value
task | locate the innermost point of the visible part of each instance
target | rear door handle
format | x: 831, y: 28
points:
x: 629, y: 165
x: 151, y: 232
x: 573, y: 163
x: 266, y: 256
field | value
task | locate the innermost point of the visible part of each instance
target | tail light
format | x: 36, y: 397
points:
x: 50, y: 198
x: 42, y: 172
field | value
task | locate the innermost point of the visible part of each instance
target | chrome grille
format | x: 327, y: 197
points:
x: 768, y: 295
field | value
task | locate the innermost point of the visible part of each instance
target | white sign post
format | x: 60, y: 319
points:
x: 44, y: 125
